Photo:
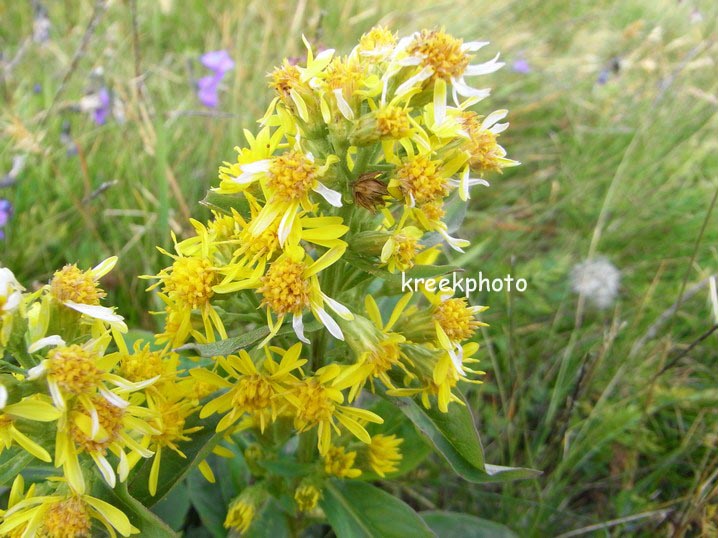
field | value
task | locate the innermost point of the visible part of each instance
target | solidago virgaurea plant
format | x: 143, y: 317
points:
x: 292, y: 369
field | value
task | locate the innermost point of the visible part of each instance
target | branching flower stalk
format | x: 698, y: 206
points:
x: 282, y: 328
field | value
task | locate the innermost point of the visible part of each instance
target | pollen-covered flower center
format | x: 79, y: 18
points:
x: 442, y: 52
x: 191, y: 282
x: 419, y: 177
x: 66, y: 519
x: 456, y: 319
x: 340, y: 463
x: 393, y: 122
x: 434, y: 211
x: 316, y: 405
x: 407, y: 247
x: 285, y: 78
x: 377, y: 38
x: 74, y: 369
x: 110, y: 420
x: 171, y: 424
x: 344, y: 75
x: 384, y: 357
x: 253, y: 393
x: 72, y: 284
x: 264, y: 244
x: 482, y: 145
x: 141, y: 365
x: 291, y: 176
x: 284, y: 288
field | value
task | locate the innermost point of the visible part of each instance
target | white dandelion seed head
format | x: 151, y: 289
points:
x: 598, y: 280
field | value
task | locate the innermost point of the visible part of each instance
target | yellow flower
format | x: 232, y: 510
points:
x: 60, y: 515
x: 102, y: 429
x: 384, y: 454
x: 455, y: 321
x: 485, y: 152
x: 307, y: 496
x: 401, y: 249
x: 318, y: 400
x: 376, y: 44
x: 288, y: 181
x: 339, y: 462
x: 290, y: 287
x: 242, y: 510
x: 35, y: 408
x: 79, y: 290
x: 171, y: 412
x: 187, y: 285
x: 253, y: 390
x: 80, y: 372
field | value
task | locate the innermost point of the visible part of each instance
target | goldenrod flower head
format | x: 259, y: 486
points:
x: 402, y: 247
x: 80, y: 291
x: 190, y: 282
x: 384, y: 454
x: 291, y: 176
x: 285, y: 78
x: 339, y: 462
x: 485, y: 153
x: 307, y: 496
x: 143, y: 363
x: 74, y: 369
x: 392, y: 122
x: 60, y: 515
x: 109, y: 419
x: 72, y: 284
x: 242, y: 510
x: 456, y: 318
x: 443, y: 53
x: 285, y: 289
x: 420, y: 180
x: 378, y: 41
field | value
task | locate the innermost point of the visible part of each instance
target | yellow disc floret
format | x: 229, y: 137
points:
x: 393, y: 123
x: 74, y: 369
x: 285, y: 78
x: 67, y: 519
x: 110, y: 420
x: 307, y: 496
x: 420, y: 179
x: 240, y: 515
x: 456, y: 318
x: 377, y: 38
x: 315, y: 404
x: 253, y: 393
x: 141, y: 365
x: 291, y: 176
x: 485, y: 151
x: 284, y: 288
x: 384, y: 454
x: 72, y: 284
x: 190, y: 281
x: 339, y: 462
x: 440, y: 51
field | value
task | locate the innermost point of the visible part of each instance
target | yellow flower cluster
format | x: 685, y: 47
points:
x: 349, y: 177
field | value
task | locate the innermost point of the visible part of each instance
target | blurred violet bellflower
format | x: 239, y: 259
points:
x: 219, y: 62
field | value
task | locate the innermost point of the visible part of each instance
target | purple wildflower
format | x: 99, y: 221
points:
x: 5, y: 214
x: 103, y: 106
x: 219, y: 62
x: 521, y: 65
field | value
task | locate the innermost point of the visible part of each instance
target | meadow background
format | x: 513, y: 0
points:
x: 613, y: 115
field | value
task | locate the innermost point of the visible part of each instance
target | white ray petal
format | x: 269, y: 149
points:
x: 298, y: 325
x: 54, y: 340
x: 492, y: 118
x: 344, y: 107
x: 329, y: 323
x: 338, y: 307
x: 330, y: 195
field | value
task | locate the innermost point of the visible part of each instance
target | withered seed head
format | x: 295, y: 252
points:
x: 369, y: 191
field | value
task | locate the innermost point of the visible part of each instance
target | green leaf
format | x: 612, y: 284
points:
x: 360, y: 510
x: 455, y: 437
x: 288, y: 468
x: 224, y: 203
x: 228, y: 346
x: 174, y: 507
x: 209, y: 502
x: 457, y: 525
x: 11, y: 463
x: 173, y: 467
x: 149, y: 524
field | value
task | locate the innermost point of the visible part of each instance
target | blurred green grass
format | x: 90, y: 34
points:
x: 624, y: 169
